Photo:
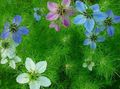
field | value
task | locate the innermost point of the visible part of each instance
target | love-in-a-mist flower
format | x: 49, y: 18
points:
x: 88, y: 64
x: 34, y: 77
x: 93, y: 37
x: 37, y: 14
x: 109, y: 21
x: 14, y: 30
x: 88, y: 15
x: 60, y: 12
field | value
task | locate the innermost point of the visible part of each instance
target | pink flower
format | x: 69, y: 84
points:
x: 59, y: 11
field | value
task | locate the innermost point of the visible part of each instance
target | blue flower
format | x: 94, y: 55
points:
x: 89, y: 15
x: 14, y: 30
x: 37, y: 14
x: 109, y: 21
x: 93, y: 38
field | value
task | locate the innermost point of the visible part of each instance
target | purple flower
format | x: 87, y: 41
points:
x: 37, y: 13
x: 14, y: 30
x: 88, y: 16
x: 93, y: 38
x: 109, y: 21
x: 61, y: 12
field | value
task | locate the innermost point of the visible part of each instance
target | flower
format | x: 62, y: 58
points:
x: 34, y: 76
x: 37, y: 13
x: 62, y: 12
x: 109, y: 21
x: 14, y: 29
x: 89, y: 15
x: 93, y: 37
x: 88, y: 64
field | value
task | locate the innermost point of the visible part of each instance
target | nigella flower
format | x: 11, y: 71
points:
x: 14, y: 30
x: 37, y: 14
x: 62, y: 12
x: 109, y: 21
x: 93, y: 38
x: 33, y: 76
x: 88, y: 16
x: 88, y: 64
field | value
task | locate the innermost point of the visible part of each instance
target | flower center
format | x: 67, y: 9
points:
x: 61, y: 10
x: 108, y: 21
x: 5, y: 45
x: 88, y: 13
x: 13, y: 28
x: 93, y: 37
x: 38, y: 12
x: 34, y: 76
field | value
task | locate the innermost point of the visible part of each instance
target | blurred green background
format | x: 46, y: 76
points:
x: 64, y: 50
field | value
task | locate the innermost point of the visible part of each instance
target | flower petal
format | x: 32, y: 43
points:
x: 17, y: 20
x: 100, y: 39
x: 66, y: 21
x: 89, y: 25
x: 36, y: 9
x: 30, y: 65
x: 80, y: 6
x: 53, y: 7
x: 95, y: 8
x: 12, y: 64
x: 37, y: 17
x: 87, y: 42
x: 52, y: 16
x: 110, y: 30
x: 87, y: 34
x: 44, y: 81
x: 5, y: 34
x: 23, y: 78
x: 116, y: 19
x: 80, y: 19
x: 90, y: 67
x: 34, y: 84
x: 53, y: 25
x: 41, y: 67
x: 99, y: 16
x: 4, y: 61
x: 17, y: 59
x: 84, y: 65
x: 110, y: 14
x: 66, y: 3
x: 93, y: 45
x: 23, y: 30
x: 16, y: 37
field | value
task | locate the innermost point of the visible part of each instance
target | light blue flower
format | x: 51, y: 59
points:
x: 14, y: 30
x: 93, y: 38
x: 89, y: 15
x: 37, y: 13
x: 109, y: 21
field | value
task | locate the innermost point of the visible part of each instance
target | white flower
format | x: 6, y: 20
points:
x: 34, y: 77
x: 88, y: 64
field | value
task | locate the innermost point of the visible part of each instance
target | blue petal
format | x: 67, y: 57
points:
x: 80, y: 6
x: 23, y: 30
x: 97, y: 31
x: 16, y: 37
x: 87, y: 41
x: 110, y: 30
x: 93, y: 45
x: 88, y: 34
x: 7, y: 26
x: 110, y: 13
x: 95, y: 7
x: 37, y: 17
x: 89, y: 25
x: 116, y: 19
x: 36, y: 9
x: 99, y: 16
x: 17, y: 20
x: 100, y: 39
x: 80, y: 19
x: 5, y: 34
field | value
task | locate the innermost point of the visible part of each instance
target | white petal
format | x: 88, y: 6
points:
x: 17, y: 59
x: 11, y: 52
x: 23, y: 78
x: 84, y: 65
x: 41, y: 66
x: 4, y: 61
x: 44, y: 81
x: 34, y: 85
x: 90, y: 67
x: 12, y: 64
x: 30, y: 65
x: 3, y: 53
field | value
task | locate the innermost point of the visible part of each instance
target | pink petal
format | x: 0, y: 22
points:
x: 66, y: 3
x: 52, y: 6
x: 66, y: 22
x: 52, y: 16
x: 53, y: 25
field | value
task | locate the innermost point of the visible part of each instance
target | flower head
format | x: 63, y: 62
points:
x: 92, y: 38
x: 37, y: 14
x: 88, y: 64
x: 62, y: 12
x: 34, y: 76
x: 89, y: 15
x: 14, y: 30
